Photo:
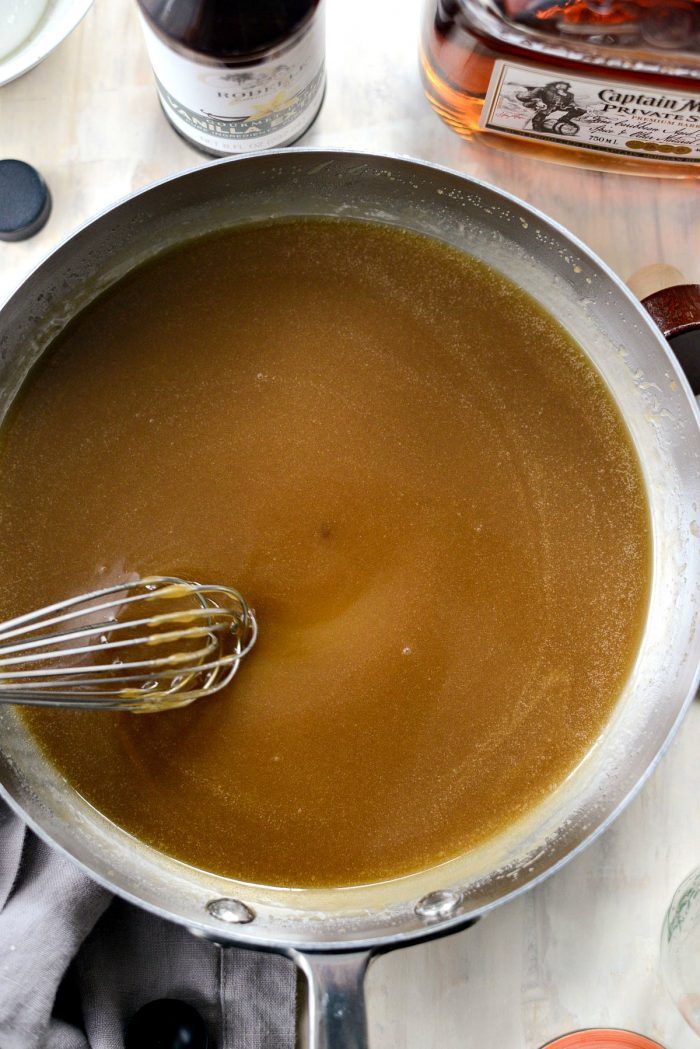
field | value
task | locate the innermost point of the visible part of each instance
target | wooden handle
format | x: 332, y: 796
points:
x: 650, y: 279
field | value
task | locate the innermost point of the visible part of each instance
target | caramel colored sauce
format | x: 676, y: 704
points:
x: 421, y: 486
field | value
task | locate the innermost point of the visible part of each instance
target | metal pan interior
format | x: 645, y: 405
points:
x: 661, y: 415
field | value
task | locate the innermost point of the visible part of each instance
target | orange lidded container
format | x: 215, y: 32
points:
x: 603, y: 1038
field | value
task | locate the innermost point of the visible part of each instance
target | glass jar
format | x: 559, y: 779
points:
x: 680, y: 949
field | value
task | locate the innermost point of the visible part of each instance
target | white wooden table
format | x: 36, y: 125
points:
x: 582, y: 949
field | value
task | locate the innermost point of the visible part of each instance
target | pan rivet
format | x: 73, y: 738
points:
x: 234, y: 912
x: 439, y: 904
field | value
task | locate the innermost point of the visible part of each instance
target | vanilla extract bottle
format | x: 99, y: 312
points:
x: 234, y: 76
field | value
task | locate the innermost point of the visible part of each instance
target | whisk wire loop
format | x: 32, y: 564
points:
x: 117, y: 648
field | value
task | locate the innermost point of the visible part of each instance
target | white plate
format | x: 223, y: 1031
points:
x: 60, y: 18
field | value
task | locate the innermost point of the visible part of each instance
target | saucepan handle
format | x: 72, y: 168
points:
x: 676, y: 311
x: 336, y: 1014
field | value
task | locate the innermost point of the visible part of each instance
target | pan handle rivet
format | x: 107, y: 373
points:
x: 233, y: 912
x: 439, y: 904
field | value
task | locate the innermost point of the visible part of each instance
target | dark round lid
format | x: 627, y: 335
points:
x: 166, y: 1023
x: 25, y: 201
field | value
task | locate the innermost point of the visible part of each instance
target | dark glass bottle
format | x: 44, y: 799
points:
x: 237, y: 75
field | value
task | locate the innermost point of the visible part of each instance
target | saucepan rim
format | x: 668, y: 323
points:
x: 384, y: 937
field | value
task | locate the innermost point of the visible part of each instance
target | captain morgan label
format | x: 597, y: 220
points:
x: 606, y: 115
x: 243, y: 107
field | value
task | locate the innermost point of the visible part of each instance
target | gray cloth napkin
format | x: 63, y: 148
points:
x: 51, y: 913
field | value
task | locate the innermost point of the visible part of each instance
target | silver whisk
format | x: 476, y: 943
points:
x: 151, y: 644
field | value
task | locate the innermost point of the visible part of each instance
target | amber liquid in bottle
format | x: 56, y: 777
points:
x: 461, y: 43
x: 235, y: 76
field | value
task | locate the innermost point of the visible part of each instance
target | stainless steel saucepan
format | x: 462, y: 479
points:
x: 331, y: 935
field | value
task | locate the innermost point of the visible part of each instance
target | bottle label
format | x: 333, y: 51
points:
x: 243, y: 107
x: 605, y: 115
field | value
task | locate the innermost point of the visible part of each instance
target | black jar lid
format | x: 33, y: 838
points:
x: 25, y: 201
